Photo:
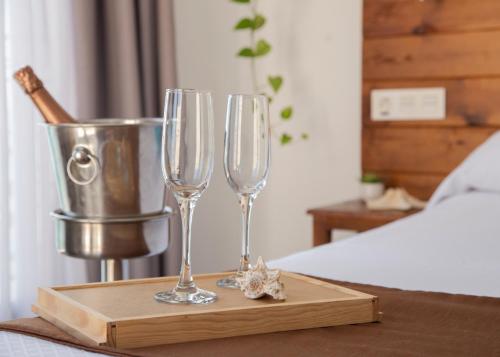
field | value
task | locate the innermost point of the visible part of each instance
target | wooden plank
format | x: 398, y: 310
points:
x: 469, y: 102
x: 73, y: 330
x: 419, y: 150
x: 405, y: 17
x: 130, y: 317
x: 230, y: 323
x: 438, y: 56
x: 72, y: 315
x: 419, y: 185
x: 161, y: 279
x: 447, y: 43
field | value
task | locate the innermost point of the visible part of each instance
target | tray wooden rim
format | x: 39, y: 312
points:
x: 102, y: 330
x: 71, y: 328
x: 55, y: 291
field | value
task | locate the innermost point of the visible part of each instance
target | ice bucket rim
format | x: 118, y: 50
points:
x: 60, y: 215
x: 108, y: 122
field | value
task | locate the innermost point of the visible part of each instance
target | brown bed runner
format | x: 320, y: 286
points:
x: 414, y: 323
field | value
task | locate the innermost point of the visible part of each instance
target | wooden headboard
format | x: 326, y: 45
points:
x: 447, y: 43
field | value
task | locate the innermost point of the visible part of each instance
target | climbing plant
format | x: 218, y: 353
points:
x: 257, y: 48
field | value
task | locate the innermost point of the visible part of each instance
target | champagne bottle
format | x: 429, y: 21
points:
x: 51, y: 111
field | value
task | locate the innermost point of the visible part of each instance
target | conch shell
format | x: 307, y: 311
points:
x: 259, y: 281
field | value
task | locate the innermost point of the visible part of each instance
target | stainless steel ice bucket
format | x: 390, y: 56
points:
x: 108, y: 167
x: 112, y: 238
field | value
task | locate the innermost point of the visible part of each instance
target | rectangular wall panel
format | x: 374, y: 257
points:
x: 406, y: 17
x: 456, y: 55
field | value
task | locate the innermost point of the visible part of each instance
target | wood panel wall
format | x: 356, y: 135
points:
x: 431, y: 43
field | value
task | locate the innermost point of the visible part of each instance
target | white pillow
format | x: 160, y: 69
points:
x: 480, y: 171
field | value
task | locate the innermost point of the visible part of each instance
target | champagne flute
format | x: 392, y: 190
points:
x: 187, y: 164
x: 247, y: 154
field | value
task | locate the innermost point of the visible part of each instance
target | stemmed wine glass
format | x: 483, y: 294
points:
x: 247, y: 149
x: 187, y: 164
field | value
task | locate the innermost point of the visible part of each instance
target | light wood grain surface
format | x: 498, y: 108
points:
x: 414, y: 17
x: 468, y: 102
x: 125, y: 314
x: 419, y: 150
x: 470, y: 54
x: 432, y: 43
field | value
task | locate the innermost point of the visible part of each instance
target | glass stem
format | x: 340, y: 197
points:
x: 186, y: 206
x: 246, y: 203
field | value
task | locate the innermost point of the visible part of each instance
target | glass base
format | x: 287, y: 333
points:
x: 199, y: 296
x: 229, y: 282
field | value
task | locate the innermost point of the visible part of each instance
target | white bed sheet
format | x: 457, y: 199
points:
x: 18, y: 345
x: 453, y: 247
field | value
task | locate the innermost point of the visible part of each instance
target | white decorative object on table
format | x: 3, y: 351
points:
x: 259, y: 281
x: 371, y: 186
x: 395, y: 199
x: 370, y: 191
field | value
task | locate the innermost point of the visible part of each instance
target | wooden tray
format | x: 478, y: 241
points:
x: 124, y: 314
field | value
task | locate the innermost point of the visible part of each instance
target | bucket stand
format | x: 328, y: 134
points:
x: 111, y: 270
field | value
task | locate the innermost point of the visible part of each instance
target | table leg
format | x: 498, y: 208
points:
x: 321, y: 233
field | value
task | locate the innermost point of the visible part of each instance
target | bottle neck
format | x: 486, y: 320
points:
x: 51, y: 111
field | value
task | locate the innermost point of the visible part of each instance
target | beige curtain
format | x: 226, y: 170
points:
x: 125, y: 60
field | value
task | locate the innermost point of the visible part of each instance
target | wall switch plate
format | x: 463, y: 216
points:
x: 408, y: 104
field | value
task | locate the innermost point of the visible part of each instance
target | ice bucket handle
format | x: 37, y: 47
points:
x: 81, y: 156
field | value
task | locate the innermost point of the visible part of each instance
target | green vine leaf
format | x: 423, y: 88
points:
x: 275, y: 82
x: 246, y: 52
x: 247, y: 23
x: 244, y: 23
x: 285, y: 139
x: 253, y: 22
x: 262, y: 48
x: 258, y: 22
x: 286, y: 113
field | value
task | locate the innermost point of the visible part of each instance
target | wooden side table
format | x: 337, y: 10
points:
x: 351, y: 215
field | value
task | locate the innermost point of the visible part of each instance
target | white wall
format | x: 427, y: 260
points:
x: 317, y: 48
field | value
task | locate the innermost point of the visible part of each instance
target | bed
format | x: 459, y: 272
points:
x: 436, y: 274
x: 453, y: 246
